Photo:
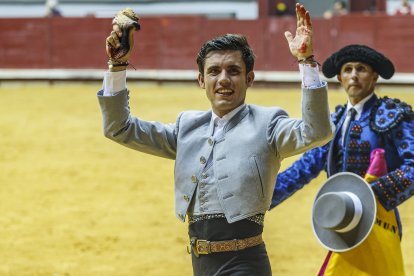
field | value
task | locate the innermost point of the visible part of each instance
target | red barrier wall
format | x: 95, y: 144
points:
x: 173, y: 42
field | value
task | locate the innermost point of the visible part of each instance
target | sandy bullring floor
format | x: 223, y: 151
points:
x: 75, y: 203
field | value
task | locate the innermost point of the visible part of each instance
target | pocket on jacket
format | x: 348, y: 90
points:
x: 255, y: 165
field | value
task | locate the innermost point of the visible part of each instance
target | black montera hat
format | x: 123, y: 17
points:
x: 343, y: 212
x: 381, y: 64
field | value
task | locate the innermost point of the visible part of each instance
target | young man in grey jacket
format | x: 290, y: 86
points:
x: 226, y: 158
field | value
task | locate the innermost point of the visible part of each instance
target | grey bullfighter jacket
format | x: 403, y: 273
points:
x: 245, y: 159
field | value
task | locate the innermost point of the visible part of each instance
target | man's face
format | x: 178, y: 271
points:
x: 225, y: 80
x: 358, y: 79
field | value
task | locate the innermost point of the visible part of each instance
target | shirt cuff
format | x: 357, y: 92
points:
x: 309, y: 74
x: 114, y: 82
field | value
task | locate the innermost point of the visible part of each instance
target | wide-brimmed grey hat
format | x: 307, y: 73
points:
x: 343, y: 212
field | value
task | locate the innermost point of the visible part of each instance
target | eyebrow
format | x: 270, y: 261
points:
x: 233, y: 66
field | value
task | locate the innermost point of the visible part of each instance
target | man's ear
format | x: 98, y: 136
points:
x: 338, y: 77
x: 201, y: 80
x: 250, y: 78
x: 376, y: 77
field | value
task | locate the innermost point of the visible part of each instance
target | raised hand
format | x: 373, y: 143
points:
x: 301, y: 46
x: 121, y: 40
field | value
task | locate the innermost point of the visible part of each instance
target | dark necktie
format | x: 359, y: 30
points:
x: 351, y: 113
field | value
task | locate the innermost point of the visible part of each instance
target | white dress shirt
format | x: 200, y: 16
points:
x: 358, y: 108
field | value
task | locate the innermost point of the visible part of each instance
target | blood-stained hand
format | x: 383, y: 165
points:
x: 301, y: 46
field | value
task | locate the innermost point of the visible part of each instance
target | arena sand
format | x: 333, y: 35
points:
x: 74, y: 203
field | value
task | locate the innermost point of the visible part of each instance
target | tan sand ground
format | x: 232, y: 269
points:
x: 75, y: 203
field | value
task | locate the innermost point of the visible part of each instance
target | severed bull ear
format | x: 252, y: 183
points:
x: 128, y: 21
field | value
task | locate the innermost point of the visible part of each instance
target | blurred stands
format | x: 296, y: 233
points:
x: 239, y: 9
x: 166, y: 47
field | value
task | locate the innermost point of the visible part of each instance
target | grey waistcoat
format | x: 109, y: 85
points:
x: 206, y: 200
x: 245, y: 161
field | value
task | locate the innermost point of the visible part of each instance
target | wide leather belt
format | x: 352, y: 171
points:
x: 203, y: 247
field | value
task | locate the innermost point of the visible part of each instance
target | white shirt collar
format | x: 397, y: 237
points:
x: 359, y: 106
x: 223, y: 120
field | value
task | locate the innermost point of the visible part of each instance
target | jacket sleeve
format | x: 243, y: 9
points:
x: 150, y: 137
x: 291, y: 136
x: 397, y: 186
x: 300, y: 173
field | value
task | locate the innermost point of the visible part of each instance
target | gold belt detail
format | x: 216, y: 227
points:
x: 203, y: 247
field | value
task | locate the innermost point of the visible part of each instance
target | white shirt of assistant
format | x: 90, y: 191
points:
x: 358, y: 108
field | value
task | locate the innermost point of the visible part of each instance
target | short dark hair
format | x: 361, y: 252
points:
x: 234, y: 42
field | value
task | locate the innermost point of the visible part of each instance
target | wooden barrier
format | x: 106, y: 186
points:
x: 173, y: 42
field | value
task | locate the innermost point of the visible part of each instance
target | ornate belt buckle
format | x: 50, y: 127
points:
x: 192, y: 246
x: 202, y: 247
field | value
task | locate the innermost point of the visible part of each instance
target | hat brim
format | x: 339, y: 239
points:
x: 362, y: 53
x: 342, y: 242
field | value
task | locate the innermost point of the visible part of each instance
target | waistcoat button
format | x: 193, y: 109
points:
x: 202, y: 160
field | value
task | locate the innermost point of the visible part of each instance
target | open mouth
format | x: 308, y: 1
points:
x: 224, y: 92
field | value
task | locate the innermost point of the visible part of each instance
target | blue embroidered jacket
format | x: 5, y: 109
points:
x: 384, y: 123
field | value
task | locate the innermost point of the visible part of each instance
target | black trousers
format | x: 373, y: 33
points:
x: 252, y: 261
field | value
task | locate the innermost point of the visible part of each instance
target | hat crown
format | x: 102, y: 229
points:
x: 334, y: 210
x: 338, y: 211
